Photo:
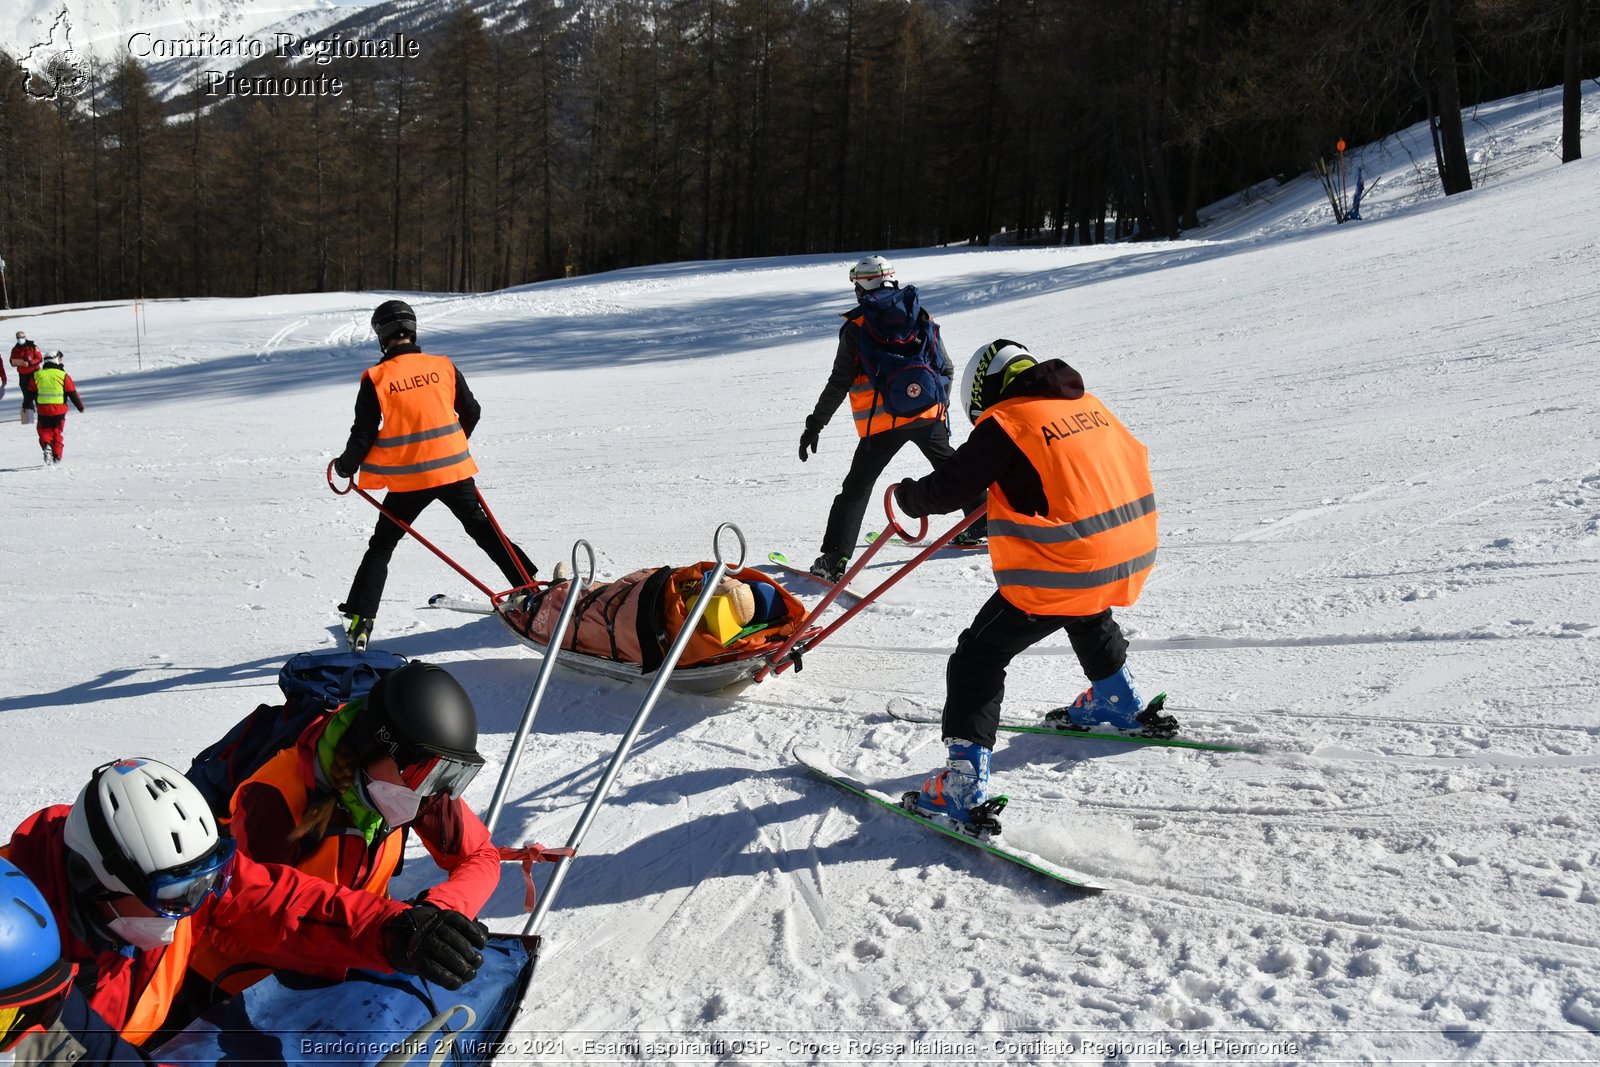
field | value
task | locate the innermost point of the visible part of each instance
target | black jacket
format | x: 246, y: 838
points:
x: 847, y: 364
x: 368, y: 415
x: 991, y: 457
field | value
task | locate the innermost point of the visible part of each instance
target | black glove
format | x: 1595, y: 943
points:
x: 808, y: 440
x: 900, y: 498
x: 441, y: 946
x: 341, y: 470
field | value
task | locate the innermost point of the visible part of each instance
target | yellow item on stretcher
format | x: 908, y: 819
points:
x: 729, y: 612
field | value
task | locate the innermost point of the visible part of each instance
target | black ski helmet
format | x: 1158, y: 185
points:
x: 416, y: 711
x: 392, y: 318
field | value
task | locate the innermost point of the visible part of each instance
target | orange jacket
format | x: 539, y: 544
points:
x: 1096, y: 547
x: 421, y: 444
x: 271, y: 802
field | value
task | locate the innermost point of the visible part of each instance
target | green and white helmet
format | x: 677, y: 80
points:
x: 989, y: 371
x: 872, y: 272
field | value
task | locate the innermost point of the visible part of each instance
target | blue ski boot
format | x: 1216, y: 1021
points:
x: 959, y: 794
x: 1115, y: 702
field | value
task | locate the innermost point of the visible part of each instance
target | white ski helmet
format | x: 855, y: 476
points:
x: 989, y: 371
x: 872, y: 272
x: 143, y: 828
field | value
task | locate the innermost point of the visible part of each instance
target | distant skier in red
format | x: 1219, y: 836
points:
x: 52, y: 388
x: 25, y: 358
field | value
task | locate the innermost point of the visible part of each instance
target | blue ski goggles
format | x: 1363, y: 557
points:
x: 179, y: 891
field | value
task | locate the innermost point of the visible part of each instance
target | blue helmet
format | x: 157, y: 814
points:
x: 30, y: 944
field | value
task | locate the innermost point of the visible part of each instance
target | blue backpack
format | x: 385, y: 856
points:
x: 900, y: 352
x: 313, y: 684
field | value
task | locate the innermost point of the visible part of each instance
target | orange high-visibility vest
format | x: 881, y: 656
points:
x: 1096, y: 547
x: 421, y: 444
x: 282, y: 772
x: 154, y: 1001
x: 867, y: 408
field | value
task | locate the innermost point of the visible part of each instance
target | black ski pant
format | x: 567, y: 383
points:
x: 975, y: 679
x: 872, y: 456
x: 366, y: 590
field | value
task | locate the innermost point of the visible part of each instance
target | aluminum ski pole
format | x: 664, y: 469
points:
x: 708, y: 583
x: 575, y: 587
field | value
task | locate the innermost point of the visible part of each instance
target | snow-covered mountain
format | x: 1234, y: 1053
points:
x: 105, y: 26
x: 1375, y: 455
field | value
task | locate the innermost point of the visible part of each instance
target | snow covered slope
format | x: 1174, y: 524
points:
x: 1376, y: 459
x: 104, y: 26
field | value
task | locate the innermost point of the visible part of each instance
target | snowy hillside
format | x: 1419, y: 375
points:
x: 104, y: 26
x: 1376, y: 457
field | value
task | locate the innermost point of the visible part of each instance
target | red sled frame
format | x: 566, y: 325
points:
x: 495, y: 599
x: 806, y: 637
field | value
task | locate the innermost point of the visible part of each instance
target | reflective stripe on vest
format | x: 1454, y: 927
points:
x: 154, y: 1001
x: 1096, y: 548
x: 282, y: 772
x: 50, y: 386
x: 421, y: 444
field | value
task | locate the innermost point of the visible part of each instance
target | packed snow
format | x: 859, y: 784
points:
x: 1376, y: 456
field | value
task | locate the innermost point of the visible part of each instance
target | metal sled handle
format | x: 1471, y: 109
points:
x: 716, y: 545
x: 587, y: 547
x: 664, y: 672
x: 576, y: 585
x: 413, y: 1045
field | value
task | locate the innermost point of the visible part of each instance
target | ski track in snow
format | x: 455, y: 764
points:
x: 1379, y: 484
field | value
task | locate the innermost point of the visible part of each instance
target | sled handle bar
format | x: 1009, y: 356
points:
x: 716, y: 545
x: 350, y: 484
x: 805, y: 637
x: 575, y: 587
x: 894, y: 523
x: 587, y: 547
x: 663, y: 673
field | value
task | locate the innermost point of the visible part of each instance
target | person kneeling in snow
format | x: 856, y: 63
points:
x: 1072, y: 534
x: 136, y: 872
x: 335, y: 805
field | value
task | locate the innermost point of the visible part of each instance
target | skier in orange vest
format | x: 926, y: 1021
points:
x: 426, y: 413
x: 1072, y: 534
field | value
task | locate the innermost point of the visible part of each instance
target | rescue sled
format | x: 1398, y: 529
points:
x: 368, y: 1018
x: 622, y: 629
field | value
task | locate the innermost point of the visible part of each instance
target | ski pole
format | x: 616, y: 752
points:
x: 575, y: 586
x: 690, y: 622
x: 429, y: 545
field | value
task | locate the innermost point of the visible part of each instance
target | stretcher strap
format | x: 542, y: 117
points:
x: 528, y: 855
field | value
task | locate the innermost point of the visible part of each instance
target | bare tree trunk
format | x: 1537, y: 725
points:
x: 1456, y: 175
x: 1572, y: 86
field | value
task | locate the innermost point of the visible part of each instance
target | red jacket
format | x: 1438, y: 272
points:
x: 26, y: 358
x: 276, y: 915
x: 454, y: 836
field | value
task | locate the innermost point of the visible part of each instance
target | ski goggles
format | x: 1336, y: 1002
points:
x: 179, y: 891
x: 435, y: 774
x: 33, y: 1008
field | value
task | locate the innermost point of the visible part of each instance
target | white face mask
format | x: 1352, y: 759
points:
x: 144, y: 931
x: 397, y: 804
